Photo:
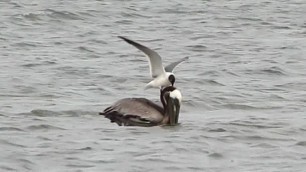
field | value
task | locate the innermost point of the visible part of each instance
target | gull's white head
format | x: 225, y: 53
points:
x: 170, y: 77
x: 161, y: 81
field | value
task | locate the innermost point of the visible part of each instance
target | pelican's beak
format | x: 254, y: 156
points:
x: 173, y: 110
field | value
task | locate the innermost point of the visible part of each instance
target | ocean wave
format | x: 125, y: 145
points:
x: 10, y: 129
x: 44, y: 127
x: 60, y: 14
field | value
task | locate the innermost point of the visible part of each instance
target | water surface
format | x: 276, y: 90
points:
x: 244, y: 85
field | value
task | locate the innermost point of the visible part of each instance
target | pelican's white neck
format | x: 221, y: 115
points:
x: 176, y: 94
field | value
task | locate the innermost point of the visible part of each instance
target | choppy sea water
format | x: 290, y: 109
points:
x: 243, y: 86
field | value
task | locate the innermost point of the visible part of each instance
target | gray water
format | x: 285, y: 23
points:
x: 244, y: 86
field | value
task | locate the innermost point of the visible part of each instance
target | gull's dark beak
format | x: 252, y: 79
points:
x: 173, y: 110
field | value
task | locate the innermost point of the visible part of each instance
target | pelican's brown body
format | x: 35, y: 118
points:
x: 140, y: 111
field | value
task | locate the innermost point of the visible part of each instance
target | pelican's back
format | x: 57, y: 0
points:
x: 134, y: 111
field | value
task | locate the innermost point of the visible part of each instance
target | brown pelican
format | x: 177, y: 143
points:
x: 143, y: 112
x: 162, y: 77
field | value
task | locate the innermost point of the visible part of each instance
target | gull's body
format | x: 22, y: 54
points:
x: 143, y: 112
x: 162, y: 77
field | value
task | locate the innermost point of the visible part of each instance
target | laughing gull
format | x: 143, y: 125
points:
x: 162, y: 77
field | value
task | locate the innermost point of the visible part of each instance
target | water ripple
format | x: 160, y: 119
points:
x: 63, y: 15
x: 10, y: 129
x: 44, y: 127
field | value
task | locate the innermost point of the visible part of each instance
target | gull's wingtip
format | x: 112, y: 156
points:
x: 129, y: 41
x: 121, y: 37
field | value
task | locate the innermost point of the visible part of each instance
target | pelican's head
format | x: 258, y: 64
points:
x: 173, y: 98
